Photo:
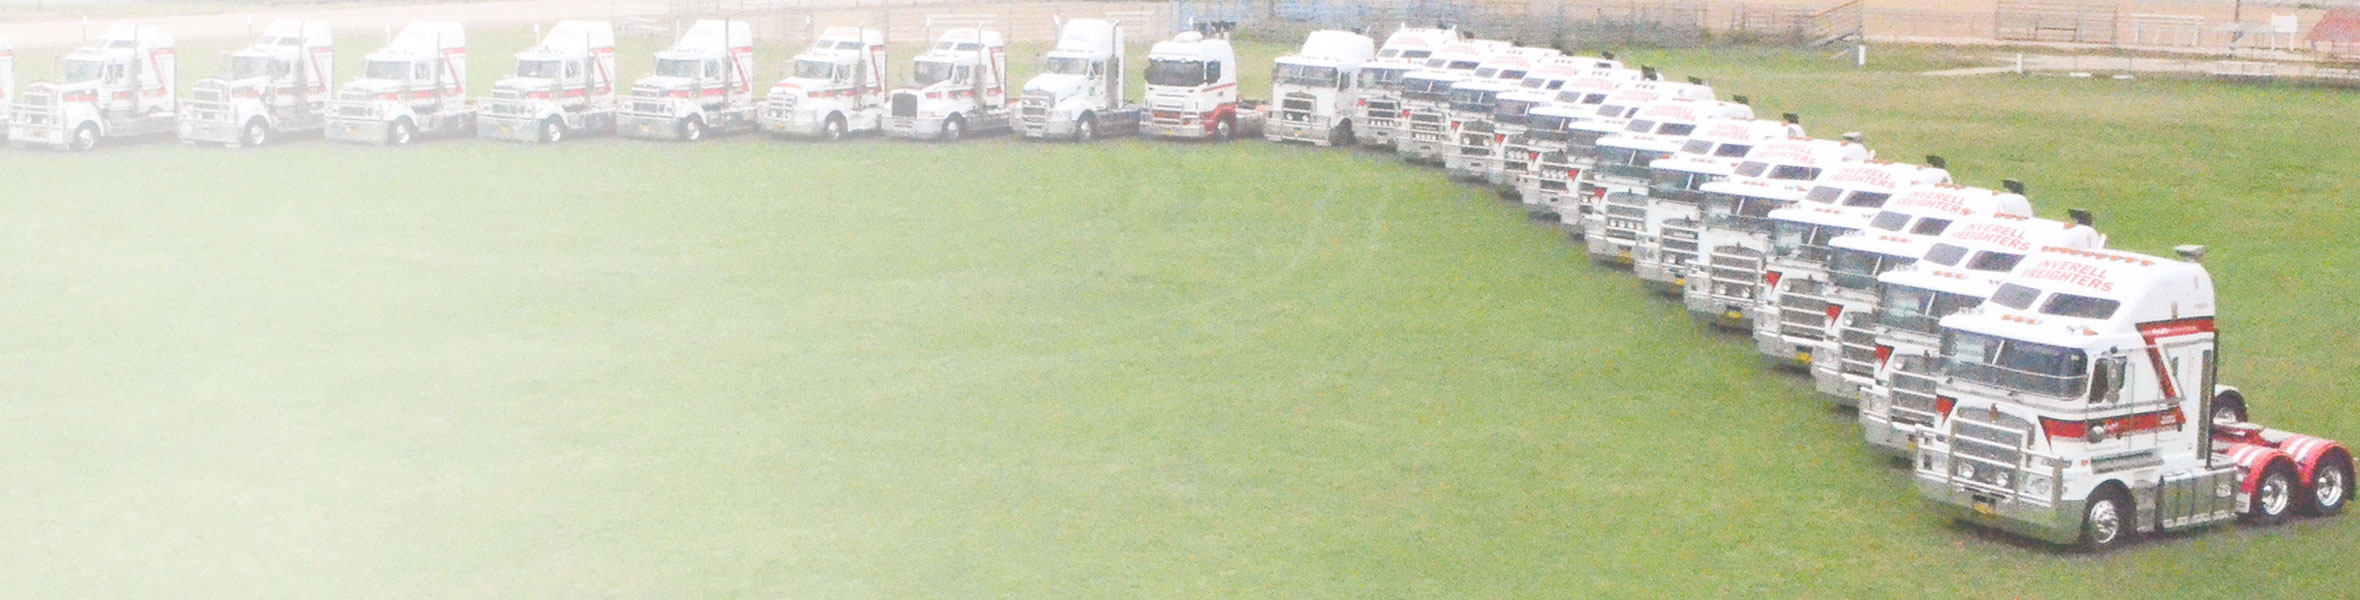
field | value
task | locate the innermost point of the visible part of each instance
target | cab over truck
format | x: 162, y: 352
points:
x: 1081, y: 94
x: 703, y: 85
x: 961, y: 89
x: 1735, y: 235
x: 415, y: 86
x: 126, y: 85
x: 838, y: 88
x: 2081, y: 405
x: 563, y: 86
x: 1380, y: 81
x: 1547, y: 130
x: 1628, y: 227
x: 1884, y: 354
x: 1315, y: 89
x: 278, y: 85
x: 1192, y: 91
x: 1798, y: 302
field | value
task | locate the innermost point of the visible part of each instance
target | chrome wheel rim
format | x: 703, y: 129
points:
x: 2105, y: 522
x: 2328, y: 487
x: 2273, y: 495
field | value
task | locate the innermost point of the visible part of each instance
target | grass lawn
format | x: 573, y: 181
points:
x: 1127, y: 370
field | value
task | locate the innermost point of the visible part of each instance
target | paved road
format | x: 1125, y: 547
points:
x: 40, y: 34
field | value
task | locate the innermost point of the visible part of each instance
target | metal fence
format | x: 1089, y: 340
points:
x: 1563, y: 23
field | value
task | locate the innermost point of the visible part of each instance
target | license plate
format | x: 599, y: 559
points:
x: 1733, y: 316
x: 1983, y: 507
x: 507, y: 129
x: 1803, y: 358
x: 1679, y: 282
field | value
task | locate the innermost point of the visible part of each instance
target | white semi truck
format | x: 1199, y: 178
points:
x: 1424, y: 128
x: 1796, y: 307
x: 1406, y: 50
x: 1192, y: 90
x: 415, y: 86
x: 1472, y: 103
x: 125, y: 85
x: 1623, y: 157
x: 1316, y: 90
x: 837, y: 88
x: 961, y: 89
x: 1550, y: 128
x: 276, y: 86
x: 703, y: 85
x: 1560, y: 171
x: 1736, y: 230
x: 1627, y: 227
x: 1082, y: 93
x: 1513, y: 115
x: 565, y: 85
x: 2082, y: 404
x: 1884, y: 356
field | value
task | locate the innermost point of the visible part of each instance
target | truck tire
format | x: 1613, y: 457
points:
x: 2107, y: 521
x: 1340, y: 136
x: 2273, y: 496
x: 1085, y: 128
x: 257, y: 133
x: 2331, y: 486
x: 552, y: 130
x: 403, y: 133
x: 2229, y: 405
x: 693, y: 129
x: 1223, y: 129
x: 954, y: 127
x: 834, y: 129
x: 85, y: 138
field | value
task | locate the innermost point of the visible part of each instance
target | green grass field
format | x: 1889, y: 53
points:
x: 749, y: 369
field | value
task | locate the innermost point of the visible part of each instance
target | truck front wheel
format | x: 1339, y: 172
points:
x: 403, y: 133
x: 1223, y: 128
x: 954, y: 128
x: 2106, y: 522
x: 552, y: 130
x: 1085, y: 128
x: 693, y: 129
x: 2331, y: 486
x: 257, y: 133
x: 85, y: 138
x: 834, y: 129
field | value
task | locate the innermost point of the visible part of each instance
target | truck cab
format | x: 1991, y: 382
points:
x: 1476, y: 137
x: 277, y: 85
x: 1624, y: 157
x: 1798, y: 305
x: 1404, y: 51
x: 1883, y: 357
x: 415, y: 86
x: 1578, y: 145
x: 1425, y: 96
x: 960, y: 88
x: 1513, y: 116
x: 1736, y: 233
x: 1192, y: 90
x: 838, y: 87
x: 702, y: 85
x: 1628, y: 228
x: 1081, y: 95
x: 1908, y: 225
x: 2081, y: 404
x: 1549, y: 128
x: 1316, y: 88
x: 125, y: 85
x: 563, y: 86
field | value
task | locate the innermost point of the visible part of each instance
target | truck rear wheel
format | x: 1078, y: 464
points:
x: 552, y: 130
x: 2273, y: 496
x: 2228, y: 406
x: 85, y: 138
x: 834, y: 129
x: 403, y: 133
x: 1085, y: 128
x: 2331, y: 486
x: 257, y: 134
x: 2106, y: 523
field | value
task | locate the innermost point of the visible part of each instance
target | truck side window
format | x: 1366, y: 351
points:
x: 1212, y: 72
x: 712, y: 69
x: 420, y: 71
x: 114, y: 72
x: 573, y: 69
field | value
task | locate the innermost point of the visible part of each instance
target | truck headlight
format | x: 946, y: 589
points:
x: 1964, y: 470
x: 2037, y: 485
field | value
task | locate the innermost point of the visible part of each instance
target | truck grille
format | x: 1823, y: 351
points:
x: 1581, y: 144
x: 905, y: 104
x: 1626, y: 216
x: 1913, y: 391
x: 1034, y: 109
x: 1679, y: 242
x: 1735, y: 269
x: 1296, y: 102
x: 1802, y: 310
x: 1859, y: 341
x: 1995, y: 450
x: 507, y: 94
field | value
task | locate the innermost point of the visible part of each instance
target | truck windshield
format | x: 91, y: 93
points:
x: 2015, y: 365
x: 77, y: 71
x: 1382, y: 78
x: 250, y: 67
x: 1164, y: 71
x: 1742, y: 213
x: 1804, y: 241
x: 1304, y: 75
x: 674, y: 67
x: 1069, y: 65
x: 386, y: 69
x: 540, y: 69
x: 932, y: 72
x: 1550, y: 123
x: 814, y: 69
x: 1858, y: 269
x: 1828, y: 194
x: 1919, y: 309
x: 1733, y: 150
x: 1422, y: 85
